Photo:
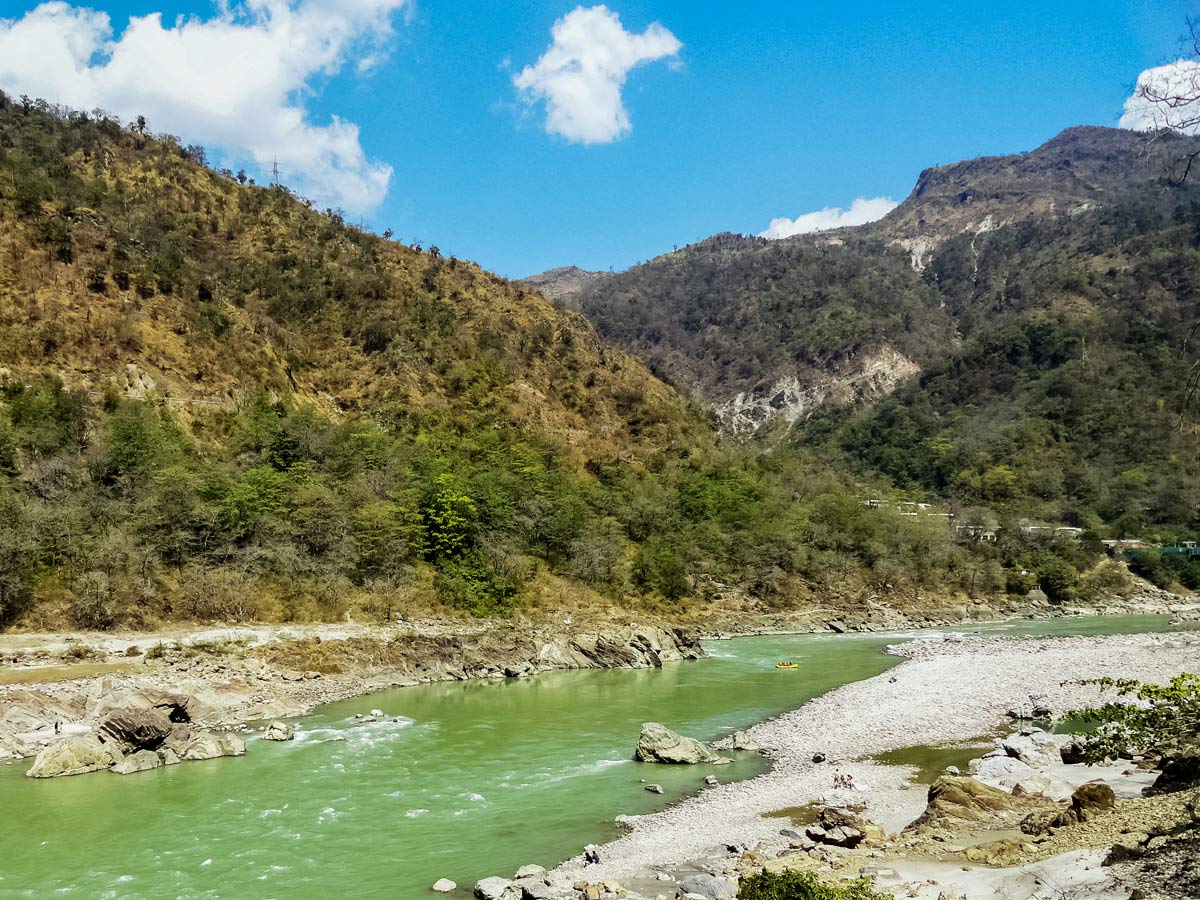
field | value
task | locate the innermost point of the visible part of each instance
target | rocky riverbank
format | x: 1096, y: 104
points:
x: 948, y: 690
x: 243, y: 675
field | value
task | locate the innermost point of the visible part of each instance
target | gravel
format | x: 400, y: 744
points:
x: 948, y: 690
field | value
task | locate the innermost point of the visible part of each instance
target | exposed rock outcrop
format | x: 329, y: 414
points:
x: 953, y: 801
x: 74, y: 756
x: 659, y: 744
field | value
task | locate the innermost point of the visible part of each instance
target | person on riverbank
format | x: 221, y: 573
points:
x: 591, y: 856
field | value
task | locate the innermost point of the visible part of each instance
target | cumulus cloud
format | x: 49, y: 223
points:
x: 583, y: 72
x: 861, y: 211
x: 238, y: 81
x: 1165, y: 97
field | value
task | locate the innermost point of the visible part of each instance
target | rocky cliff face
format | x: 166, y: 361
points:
x: 779, y: 404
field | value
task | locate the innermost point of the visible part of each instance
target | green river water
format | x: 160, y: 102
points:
x: 463, y: 780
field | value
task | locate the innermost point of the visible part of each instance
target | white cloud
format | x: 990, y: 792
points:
x: 1176, y: 86
x: 238, y: 81
x: 583, y: 71
x: 861, y: 212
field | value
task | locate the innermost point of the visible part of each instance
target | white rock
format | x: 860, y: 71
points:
x: 444, y: 886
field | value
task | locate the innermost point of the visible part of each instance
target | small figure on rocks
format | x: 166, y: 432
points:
x: 591, y: 856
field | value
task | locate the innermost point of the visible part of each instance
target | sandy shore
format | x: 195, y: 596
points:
x: 948, y: 690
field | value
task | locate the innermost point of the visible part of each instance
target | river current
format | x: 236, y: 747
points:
x: 459, y: 780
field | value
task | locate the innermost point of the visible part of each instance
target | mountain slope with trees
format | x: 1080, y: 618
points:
x: 218, y: 404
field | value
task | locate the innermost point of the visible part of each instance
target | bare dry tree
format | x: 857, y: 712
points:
x: 1171, y: 98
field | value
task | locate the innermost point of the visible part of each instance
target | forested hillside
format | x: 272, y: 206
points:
x: 1072, y: 395
x: 220, y: 404
x: 767, y: 332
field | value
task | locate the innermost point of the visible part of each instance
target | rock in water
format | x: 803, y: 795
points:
x: 708, y: 886
x: 531, y: 871
x: 135, y: 729
x: 190, y: 743
x: 74, y: 756
x: 494, y: 888
x: 141, y: 761
x: 659, y: 744
x: 279, y: 731
x: 654, y: 788
x: 444, y: 886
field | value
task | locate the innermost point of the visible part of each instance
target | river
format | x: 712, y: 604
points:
x: 459, y: 780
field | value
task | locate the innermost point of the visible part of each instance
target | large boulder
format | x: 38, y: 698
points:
x: 708, y: 886
x: 1036, y: 749
x: 659, y: 744
x: 953, y: 801
x: 131, y: 730
x: 141, y: 761
x: 1092, y: 799
x: 74, y: 756
x: 1180, y: 769
x: 279, y: 731
x: 496, y: 888
x: 839, y: 827
x: 1001, y: 772
x: 190, y: 743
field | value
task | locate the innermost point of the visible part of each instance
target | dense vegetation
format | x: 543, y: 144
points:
x: 720, y: 316
x: 218, y: 403
x: 1072, y: 395
x: 1150, y: 719
x: 794, y: 885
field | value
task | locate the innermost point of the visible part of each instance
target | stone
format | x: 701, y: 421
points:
x: 1180, y: 769
x: 1002, y: 772
x: 190, y: 743
x: 444, y: 886
x: 711, y: 780
x: 1032, y: 787
x: 534, y: 889
x: 710, y: 887
x: 1072, y: 754
x: 837, y: 627
x: 494, y: 888
x: 952, y: 801
x: 818, y: 757
x: 952, y: 770
x: 130, y: 730
x: 1036, y: 749
x: 654, y: 788
x: 141, y: 761
x: 74, y: 756
x: 531, y: 871
x: 659, y: 744
x: 743, y: 741
x: 1092, y: 799
x: 279, y: 731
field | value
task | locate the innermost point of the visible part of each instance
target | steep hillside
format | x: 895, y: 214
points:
x: 563, y: 283
x: 1079, y: 169
x: 124, y: 262
x: 1073, y: 395
x: 766, y: 333
x: 219, y: 404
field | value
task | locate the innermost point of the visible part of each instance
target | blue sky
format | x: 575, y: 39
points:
x: 773, y: 109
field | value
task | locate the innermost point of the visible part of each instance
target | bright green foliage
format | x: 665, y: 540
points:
x: 450, y: 519
x: 1152, y: 718
x: 793, y: 885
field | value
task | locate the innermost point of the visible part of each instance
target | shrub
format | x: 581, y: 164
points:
x: 792, y: 885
